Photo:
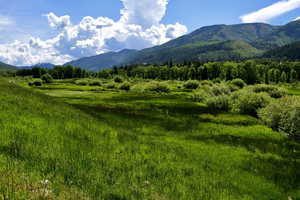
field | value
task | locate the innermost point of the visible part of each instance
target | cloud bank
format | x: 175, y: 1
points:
x: 138, y: 27
x: 272, y: 11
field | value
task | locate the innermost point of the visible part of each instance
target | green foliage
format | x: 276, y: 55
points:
x: 82, y: 82
x: 47, y: 78
x: 238, y: 82
x: 110, y: 86
x: 247, y: 102
x: 125, y: 86
x: 191, y: 84
x: 155, y: 86
x: 283, y: 115
x: 37, y: 83
x: 218, y: 103
x: 95, y: 83
x: 273, y: 91
x: 118, y: 79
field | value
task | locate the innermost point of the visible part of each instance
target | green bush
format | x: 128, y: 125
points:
x: 37, y: 83
x: 81, y: 82
x: 283, y: 115
x: 219, y: 89
x: 218, y: 103
x: 118, y: 79
x: 125, y: 86
x: 110, y: 86
x: 156, y: 86
x: 200, y: 95
x: 95, y: 83
x: 47, y: 78
x: 273, y: 91
x: 247, y: 102
x: 191, y: 84
x: 238, y: 82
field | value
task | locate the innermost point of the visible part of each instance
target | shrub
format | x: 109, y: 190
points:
x: 47, y: 78
x: 30, y: 83
x: 219, y: 89
x: 95, y: 83
x: 155, y: 86
x: 118, y: 79
x: 37, y: 83
x: 110, y: 86
x: 238, y: 82
x: 283, y: 115
x: 125, y: 86
x: 191, y: 84
x: 247, y: 102
x: 206, y: 82
x: 81, y: 82
x: 216, y: 103
x: 200, y: 95
x: 273, y: 91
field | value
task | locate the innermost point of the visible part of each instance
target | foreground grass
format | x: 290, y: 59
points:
x: 127, y: 145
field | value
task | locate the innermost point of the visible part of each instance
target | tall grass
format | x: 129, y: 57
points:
x: 122, y: 145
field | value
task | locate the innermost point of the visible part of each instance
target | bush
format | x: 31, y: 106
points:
x: 273, y: 91
x: 283, y: 115
x: 95, y: 83
x: 81, y: 82
x: 155, y: 86
x: 125, y: 86
x: 118, y: 79
x: 47, y: 78
x: 219, y: 89
x: 247, y: 102
x: 217, y: 103
x: 110, y: 86
x: 238, y: 82
x: 37, y: 83
x: 206, y: 82
x: 191, y: 84
x: 200, y: 95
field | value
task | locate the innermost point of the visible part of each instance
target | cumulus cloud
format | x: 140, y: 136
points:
x: 272, y: 11
x: 139, y: 27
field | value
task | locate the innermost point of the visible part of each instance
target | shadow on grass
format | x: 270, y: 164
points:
x: 285, y: 147
x: 132, y: 119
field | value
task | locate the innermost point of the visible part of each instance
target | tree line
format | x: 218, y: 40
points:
x: 250, y: 71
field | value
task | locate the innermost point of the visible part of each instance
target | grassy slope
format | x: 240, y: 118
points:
x: 5, y: 67
x: 106, y: 146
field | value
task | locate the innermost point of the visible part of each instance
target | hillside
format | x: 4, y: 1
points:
x: 5, y: 67
x: 289, y: 52
x: 102, y: 61
x: 217, y: 42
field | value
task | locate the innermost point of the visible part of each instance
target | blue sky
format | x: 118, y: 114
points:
x: 49, y: 30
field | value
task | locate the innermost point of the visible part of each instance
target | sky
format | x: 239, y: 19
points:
x: 58, y: 31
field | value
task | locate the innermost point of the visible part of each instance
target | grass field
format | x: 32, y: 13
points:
x: 63, y: 141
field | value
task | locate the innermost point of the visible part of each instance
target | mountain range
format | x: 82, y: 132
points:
x: 210, y: 43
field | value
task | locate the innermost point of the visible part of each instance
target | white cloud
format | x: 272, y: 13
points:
x: 138, y: 27
x: 296, y: 19
x: 272, y: 11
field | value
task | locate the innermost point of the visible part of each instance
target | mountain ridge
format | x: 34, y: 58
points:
x: 209, y: 43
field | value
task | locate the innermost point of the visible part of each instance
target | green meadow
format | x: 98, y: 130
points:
x: 68, y: 141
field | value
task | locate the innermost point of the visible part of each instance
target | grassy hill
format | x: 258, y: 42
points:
x: 6, y: 67
x: 79, y: 143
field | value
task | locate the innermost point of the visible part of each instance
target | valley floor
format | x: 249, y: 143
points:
x: 63, y: 141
